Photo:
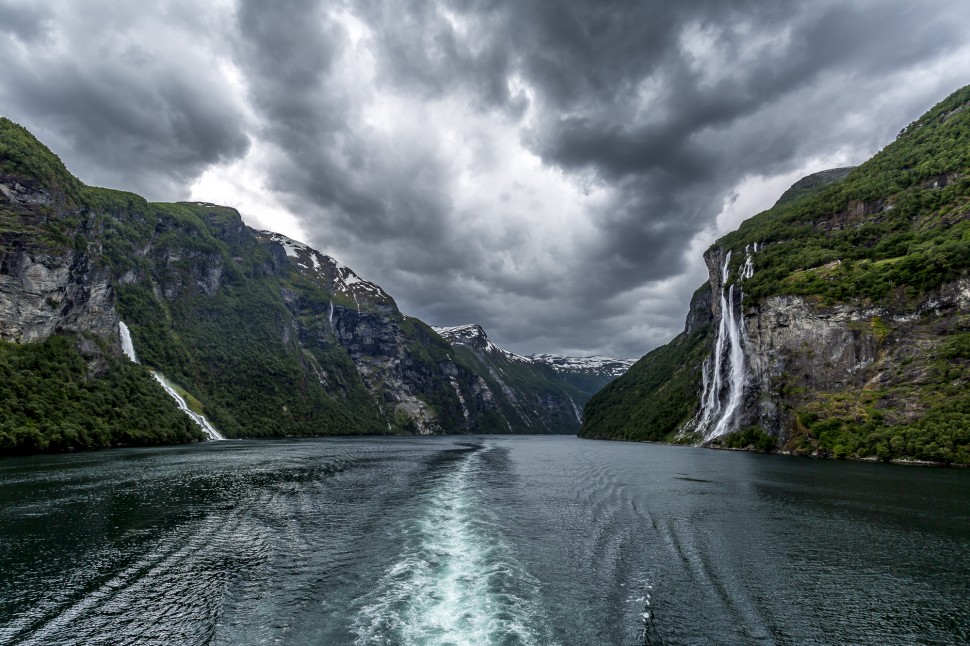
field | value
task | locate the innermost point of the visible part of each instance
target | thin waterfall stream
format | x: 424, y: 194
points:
x: 128, y: 347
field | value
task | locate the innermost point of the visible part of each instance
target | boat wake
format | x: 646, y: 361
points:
x: 456, y: 580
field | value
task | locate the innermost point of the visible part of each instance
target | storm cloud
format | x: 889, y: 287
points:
x: 550, y: 170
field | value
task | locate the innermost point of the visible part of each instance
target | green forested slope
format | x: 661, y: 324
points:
x: 886, y: 237
x: 656, y: 395
x: 896, y: 226
x: 51, y: 403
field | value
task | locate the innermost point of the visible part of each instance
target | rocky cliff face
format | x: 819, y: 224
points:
x: 803, y: 353
x: 50, y: 282
x: 418, y: 380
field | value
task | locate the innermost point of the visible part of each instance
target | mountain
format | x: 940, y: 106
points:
x: 545, y: 392
x: 257, y: 334
x: 836, y: 323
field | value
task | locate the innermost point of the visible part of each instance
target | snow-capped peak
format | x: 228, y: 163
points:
x: 310, y: 261
x: 472, y: 335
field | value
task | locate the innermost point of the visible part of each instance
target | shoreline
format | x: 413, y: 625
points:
x: 814, y: 456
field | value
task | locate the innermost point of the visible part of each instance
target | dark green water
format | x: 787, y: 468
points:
x: 492, y: 540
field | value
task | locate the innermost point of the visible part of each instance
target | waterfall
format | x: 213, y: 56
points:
x: 201, y: 420
x: 726, y: 367
x: 129, y: 349
x: 712, y: 396
x: 748, y: 271
x: 126, y: 345
x: 330, y: 318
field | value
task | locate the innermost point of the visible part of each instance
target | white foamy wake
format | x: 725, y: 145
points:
x: 456, y: 581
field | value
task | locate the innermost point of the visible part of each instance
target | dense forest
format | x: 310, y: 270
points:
x: 50, y: 403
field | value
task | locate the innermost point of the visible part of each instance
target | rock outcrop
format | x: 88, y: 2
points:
x: 547, y: 392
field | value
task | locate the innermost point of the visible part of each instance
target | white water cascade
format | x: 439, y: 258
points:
x: 201, y: 420
x: 126, y: 345
x: 129, y: 349
x: 726, y: 368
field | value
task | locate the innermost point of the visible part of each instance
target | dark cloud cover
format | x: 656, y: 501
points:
x: 549, y: 170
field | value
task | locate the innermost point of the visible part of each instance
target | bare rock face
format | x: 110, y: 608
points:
x: 700, y: 314
x: 793, y: 343
x: 796, y: 347
x: 47, y: 289
x: 399, y: 381
x: 830, y: 347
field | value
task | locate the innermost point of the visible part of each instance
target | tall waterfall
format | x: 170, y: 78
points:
x: 129, y: 349
x: 723, y: 375
x: 126, y: 345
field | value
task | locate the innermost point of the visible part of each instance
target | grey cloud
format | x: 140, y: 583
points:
x: 27, y: 23
x: 585, y: 62
x: 367, y: 188
x: 420, y: 50
x: 608, y: 94
x: 127, y: 116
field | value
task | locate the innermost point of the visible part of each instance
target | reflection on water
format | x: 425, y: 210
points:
x: 487, y: 540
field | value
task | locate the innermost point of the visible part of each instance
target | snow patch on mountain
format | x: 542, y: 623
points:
x: 473, y: 336
x: 596, y: 363
x: 311, y: 261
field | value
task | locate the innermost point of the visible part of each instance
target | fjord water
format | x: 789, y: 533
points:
x: 478, y: 540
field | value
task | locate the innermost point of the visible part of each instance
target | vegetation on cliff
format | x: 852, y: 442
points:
x: 23, y: 156
x: 892, y: 228
x: 886, y: 236
x: 52, y: 403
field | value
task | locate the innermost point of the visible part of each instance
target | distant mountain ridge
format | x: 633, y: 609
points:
x: 474, y: 336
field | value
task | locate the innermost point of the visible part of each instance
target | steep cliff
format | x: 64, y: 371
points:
x: 63, y: 383
x: 835, y: 323
x: 261, y: 334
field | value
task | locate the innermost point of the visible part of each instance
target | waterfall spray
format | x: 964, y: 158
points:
x: 126, y: 345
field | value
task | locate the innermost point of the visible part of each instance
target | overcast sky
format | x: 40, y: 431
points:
x: 551, y: 170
